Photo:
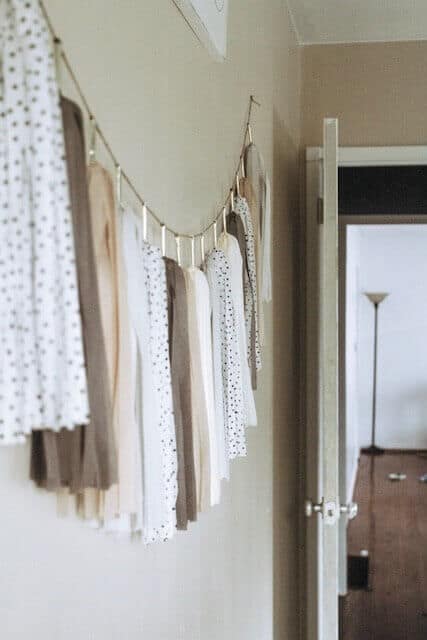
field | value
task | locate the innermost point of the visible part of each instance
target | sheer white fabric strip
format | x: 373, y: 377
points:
x: 146, y: 281
x: 230, y: 246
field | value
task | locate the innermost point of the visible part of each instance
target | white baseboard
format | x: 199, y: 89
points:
x: 352, y: 487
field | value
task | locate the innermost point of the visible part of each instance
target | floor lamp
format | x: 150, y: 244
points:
x: 373, y: 450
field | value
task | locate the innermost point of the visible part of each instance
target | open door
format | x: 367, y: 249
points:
x: 322, y: 506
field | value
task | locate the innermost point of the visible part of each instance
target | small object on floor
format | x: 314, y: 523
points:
x: 423, y: 478
x: 396, y: 477
x: 358, y: 570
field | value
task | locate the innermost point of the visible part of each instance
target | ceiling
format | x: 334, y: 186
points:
x: 329, y: 21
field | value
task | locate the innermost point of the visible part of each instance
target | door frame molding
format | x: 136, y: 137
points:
x: 347, y: 157
x: 373, y: 156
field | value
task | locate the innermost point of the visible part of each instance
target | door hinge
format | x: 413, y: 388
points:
x: 319, y: 210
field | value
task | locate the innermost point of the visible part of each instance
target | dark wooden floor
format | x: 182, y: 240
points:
x: 392, y: 524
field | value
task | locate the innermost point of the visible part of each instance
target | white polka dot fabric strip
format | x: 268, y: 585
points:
x: 250, y: 290
x: 226, y: 351
x: 42, y: 372
x: 146, y: 280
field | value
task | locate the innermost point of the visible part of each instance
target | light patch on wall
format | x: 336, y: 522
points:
x: 208, y: 20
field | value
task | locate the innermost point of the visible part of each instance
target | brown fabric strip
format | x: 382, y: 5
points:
x: 86, y: 456
x: 179, y: 351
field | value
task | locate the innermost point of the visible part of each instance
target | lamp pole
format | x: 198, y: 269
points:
x: 373, y: 450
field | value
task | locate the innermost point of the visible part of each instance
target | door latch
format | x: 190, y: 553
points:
x: 328, y: 510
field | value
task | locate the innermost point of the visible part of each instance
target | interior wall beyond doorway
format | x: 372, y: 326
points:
x: 374, y: 90
x: 393, y: 258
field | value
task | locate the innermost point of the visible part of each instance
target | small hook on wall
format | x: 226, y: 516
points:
x: 178, y: 249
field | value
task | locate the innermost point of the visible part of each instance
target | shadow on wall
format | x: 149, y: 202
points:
x: 286, y: 330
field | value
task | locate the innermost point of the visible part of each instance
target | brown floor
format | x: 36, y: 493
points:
x: 392, y: 524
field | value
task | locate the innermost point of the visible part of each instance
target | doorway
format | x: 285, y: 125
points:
x: 386, y: 595
x: 327, y: 563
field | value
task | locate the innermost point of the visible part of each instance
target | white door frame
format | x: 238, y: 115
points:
x: 373, y: 156
x: 321, y: 407
x: 347, y: 157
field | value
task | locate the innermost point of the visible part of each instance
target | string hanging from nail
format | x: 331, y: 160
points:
x: 62, y: 61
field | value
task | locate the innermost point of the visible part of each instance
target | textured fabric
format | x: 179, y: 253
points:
x: 98, y: 467
x: 146, y: 282
x: 236, y: 228
x: 258, y: 177
x: 247, y: 192
x: 250, y: 289
x: 179, y: 352
x: 42, y: 374
x: 202, y: 389
x: 57, y: 461
x: 226, y: 356
x: 121, y: 499
x: 230, y: 246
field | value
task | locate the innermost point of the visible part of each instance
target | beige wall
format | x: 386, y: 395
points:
x: 376, y: 90
x: 175, y: 119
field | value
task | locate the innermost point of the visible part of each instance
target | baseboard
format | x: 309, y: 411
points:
x: 422, y: 452
x: 341, y: 604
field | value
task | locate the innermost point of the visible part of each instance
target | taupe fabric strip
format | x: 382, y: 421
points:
x: 86, y: 456
x: 179, y: 351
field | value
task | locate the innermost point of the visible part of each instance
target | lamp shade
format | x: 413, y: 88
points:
x: 376, y: 298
